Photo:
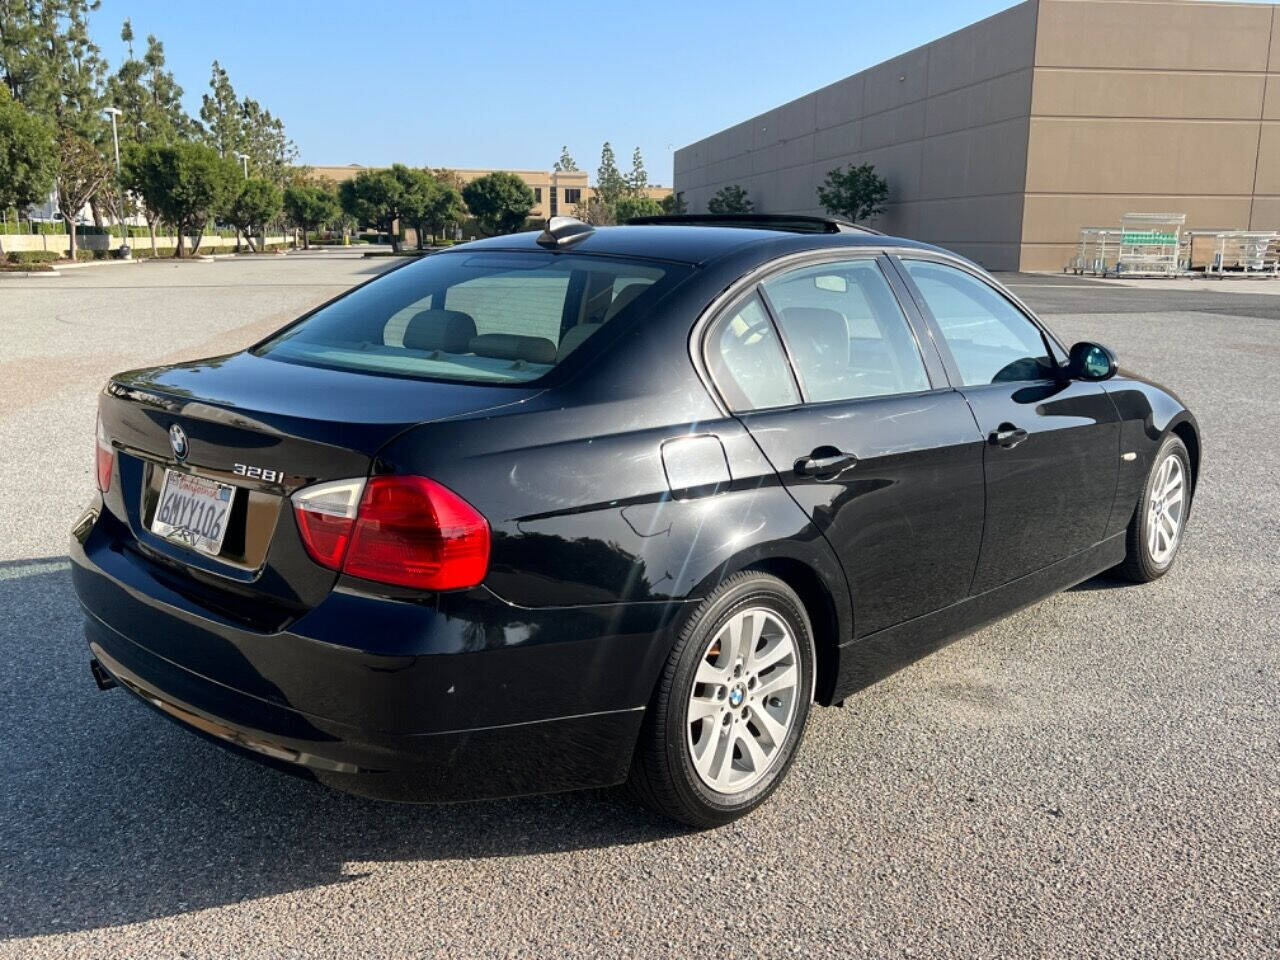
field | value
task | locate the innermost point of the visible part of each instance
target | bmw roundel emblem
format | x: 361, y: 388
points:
x: 178, y: 440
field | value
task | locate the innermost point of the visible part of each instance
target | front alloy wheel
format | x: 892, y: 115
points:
x: 1156, y: 530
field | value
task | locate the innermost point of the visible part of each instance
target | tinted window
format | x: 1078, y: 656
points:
x: 747, y: 361
x: 847, y: 333
x: 489, y: 317
x: 991, y: 339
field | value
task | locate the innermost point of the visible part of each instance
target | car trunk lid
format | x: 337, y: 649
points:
x: 265, y: 428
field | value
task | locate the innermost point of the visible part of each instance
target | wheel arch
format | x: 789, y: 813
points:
x: 1186, y: 431
x: 829, y: 617
x: 823, y: 617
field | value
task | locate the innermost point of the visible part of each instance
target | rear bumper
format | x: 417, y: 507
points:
x: 463, y: 697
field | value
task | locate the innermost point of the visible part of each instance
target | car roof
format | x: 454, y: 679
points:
x: 695, y: 244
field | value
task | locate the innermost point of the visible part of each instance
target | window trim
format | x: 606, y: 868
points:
x: 1053, y: 347
x: 752, y: 282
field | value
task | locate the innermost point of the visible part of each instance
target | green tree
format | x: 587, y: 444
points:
x: 636, y: 205
x: 310, y: 206
x: 28, y: 157
x: 234, y: 126
x: 82, y: 171
x: 21, y: 65
x: 500, y: 202
x: 429, y: 202
x: 731, y: 199
x: 674, y: 203
x: 51, y: 65
x: 133, y: 172
x: 188, y: 185
x: 271, y: 153
x: 610, y: 183
x: 149, y: 99
x: 257, y: 202
x: 419, y: 194
x: 446, y: 207
x: 375, y: 197
x: 855, y: 193
x: 638, y: 178
x: 220, y: 111
x: 566, y: 163
x: 595, y: 211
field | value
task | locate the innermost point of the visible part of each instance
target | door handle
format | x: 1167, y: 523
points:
x: 1007, y: 435
x: 825, y: 463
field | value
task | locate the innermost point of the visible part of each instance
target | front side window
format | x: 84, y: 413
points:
x: 747, y: 361
x: 847, y: 334
x: 991, y: 340
x: 472, y: 317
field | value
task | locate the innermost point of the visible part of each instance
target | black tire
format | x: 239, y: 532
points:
x: 663, y: 776
x: 1139, y: 565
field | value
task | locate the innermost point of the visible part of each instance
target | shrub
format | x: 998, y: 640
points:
x: 25, y: 257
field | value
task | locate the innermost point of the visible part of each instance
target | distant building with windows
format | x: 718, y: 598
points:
x: 555, y: 192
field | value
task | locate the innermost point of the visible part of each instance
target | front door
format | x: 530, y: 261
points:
x: 888, y: 467
x: 1052, y: 450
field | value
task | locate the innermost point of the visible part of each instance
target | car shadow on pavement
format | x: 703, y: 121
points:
x: 1103, y: 581
x: 110, y: 814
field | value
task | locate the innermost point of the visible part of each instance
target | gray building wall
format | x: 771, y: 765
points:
x: 945, y: 124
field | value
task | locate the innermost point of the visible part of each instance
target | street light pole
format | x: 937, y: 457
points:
x: 114, y: 112
x: 244, y: 162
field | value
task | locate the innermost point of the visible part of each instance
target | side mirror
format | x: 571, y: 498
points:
x: 1091, y: 361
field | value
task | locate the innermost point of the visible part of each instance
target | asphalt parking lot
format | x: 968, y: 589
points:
x: 1096, y: 776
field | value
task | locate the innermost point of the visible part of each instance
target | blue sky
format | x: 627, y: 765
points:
x: 505, y: 84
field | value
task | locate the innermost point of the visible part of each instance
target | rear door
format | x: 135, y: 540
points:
x: 824, y: 368
x: 1052, y: 451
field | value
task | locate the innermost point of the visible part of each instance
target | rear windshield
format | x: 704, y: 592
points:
x: 485, y: 317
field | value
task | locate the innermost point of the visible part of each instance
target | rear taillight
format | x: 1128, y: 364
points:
x: 408, y: 531
x: 105, y: 456
x: 326, y: 515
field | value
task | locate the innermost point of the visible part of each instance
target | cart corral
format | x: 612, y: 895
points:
x: 1158, y: 245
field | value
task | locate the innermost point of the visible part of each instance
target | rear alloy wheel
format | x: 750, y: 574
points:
x: 730, y: 709
x: 1155, y: 532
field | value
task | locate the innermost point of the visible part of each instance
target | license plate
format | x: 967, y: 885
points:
x: 193, y: 511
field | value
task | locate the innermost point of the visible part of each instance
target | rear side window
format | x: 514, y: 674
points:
x: 474, y: 317
x: 991, y: 340
x: 848, y: 336
x: 747, y: 362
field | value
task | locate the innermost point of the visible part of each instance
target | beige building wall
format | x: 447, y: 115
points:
x: 1150, y: 106
x: 945, y: 125
x: 1002, y: 140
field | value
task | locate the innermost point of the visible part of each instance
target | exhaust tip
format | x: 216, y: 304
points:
x: 101, y: 677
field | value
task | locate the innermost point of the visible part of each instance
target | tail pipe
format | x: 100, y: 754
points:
x: 101, y: 677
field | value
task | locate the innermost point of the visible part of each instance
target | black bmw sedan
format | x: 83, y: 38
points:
x: 569, y: 509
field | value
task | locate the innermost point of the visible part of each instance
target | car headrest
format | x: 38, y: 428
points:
x: 511, y: 346
x: 447, y: 330
x: 624, y: 297
x: 574, y: 337
x: 820, y: 337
